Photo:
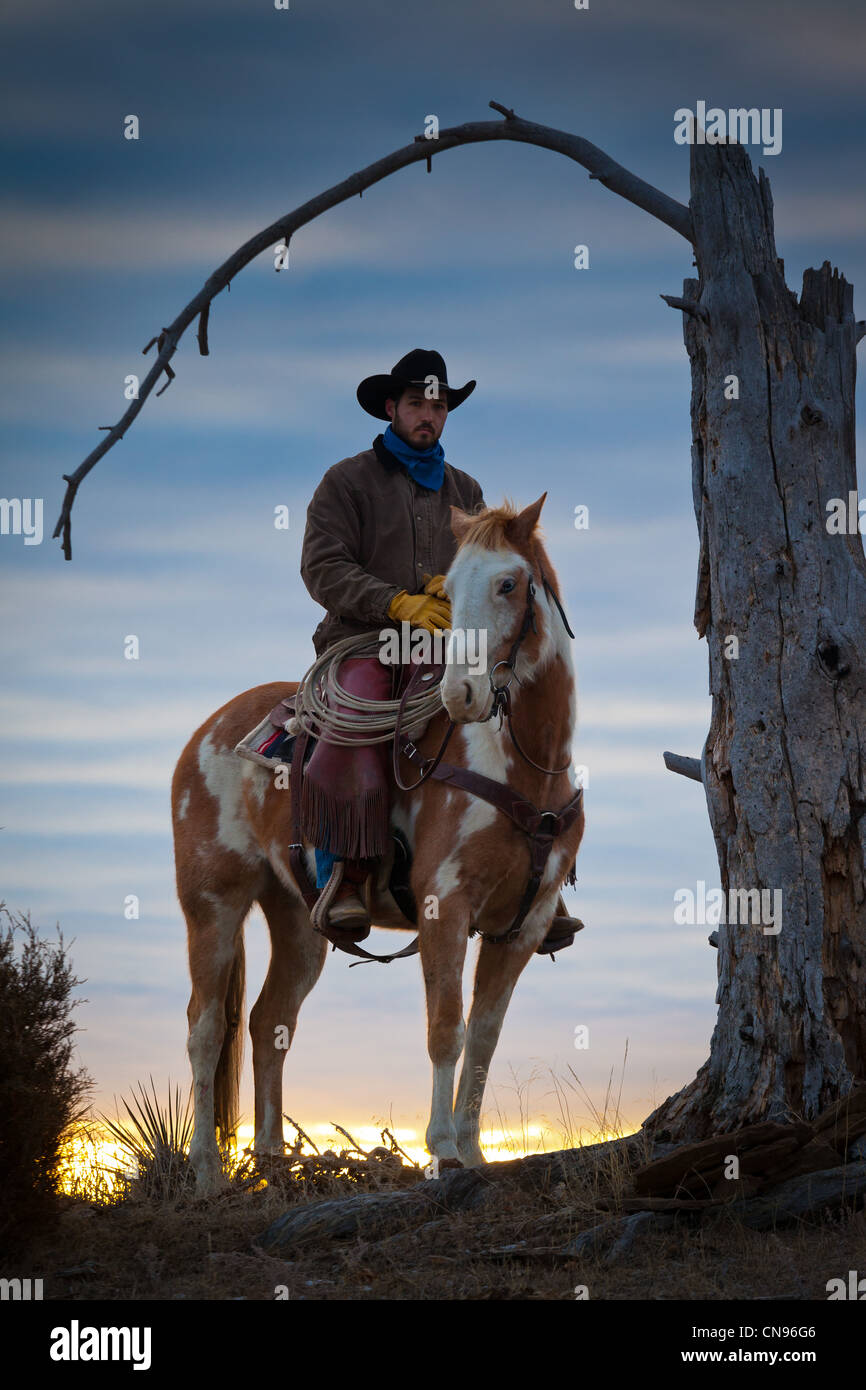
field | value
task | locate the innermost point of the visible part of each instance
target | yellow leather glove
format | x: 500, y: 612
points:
x: 421, y: 610
x: 435, y: 587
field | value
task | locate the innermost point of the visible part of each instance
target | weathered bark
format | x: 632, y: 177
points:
x: 693, y: 1172
x: 807, y: 1195
x: 613, y: 1240
x: 784, y: 765
x: 374, y: 1216
x: 781, y: 1203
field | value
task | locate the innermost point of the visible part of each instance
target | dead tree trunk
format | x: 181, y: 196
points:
x: 784, y: 766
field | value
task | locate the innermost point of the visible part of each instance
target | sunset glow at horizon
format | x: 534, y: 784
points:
x: 91, y: 1150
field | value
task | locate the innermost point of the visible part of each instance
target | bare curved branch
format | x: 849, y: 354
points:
x: 599, y: 164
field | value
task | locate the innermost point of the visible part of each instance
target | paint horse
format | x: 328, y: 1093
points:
x: 232, y: 829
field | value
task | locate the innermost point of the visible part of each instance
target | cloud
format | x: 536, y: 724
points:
x: 133, y: 239
x: 783, y: 40
x: 95, y: 821
x: 265, y: 391
x: 134, y: 771
x: 138, y: 239
x: 33, y: 715
x: 805, y: 214
x: 620, y: 712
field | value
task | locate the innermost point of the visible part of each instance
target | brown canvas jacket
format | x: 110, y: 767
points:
x: 371, y: 531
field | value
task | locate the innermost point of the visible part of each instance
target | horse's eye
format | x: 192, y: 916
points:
x: 506, y: 586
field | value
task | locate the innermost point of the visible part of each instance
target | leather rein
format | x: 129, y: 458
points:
x: 542, y: 828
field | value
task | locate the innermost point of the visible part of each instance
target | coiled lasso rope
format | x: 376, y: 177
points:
x: 371, y: 721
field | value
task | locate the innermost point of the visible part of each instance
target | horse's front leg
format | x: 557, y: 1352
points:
x: 443, y: 951
x: 496, y: 974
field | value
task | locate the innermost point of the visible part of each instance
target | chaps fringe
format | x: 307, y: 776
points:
x: 354, y: 827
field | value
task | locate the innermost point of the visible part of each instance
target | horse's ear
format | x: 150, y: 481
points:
x: 459, y: 522
x: 523, y: 525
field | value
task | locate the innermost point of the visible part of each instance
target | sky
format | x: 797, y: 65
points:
x: 245, y: 112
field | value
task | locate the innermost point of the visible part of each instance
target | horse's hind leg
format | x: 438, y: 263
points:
x: 497, y: 972
x: 216, y: 962
x: 297, y: 956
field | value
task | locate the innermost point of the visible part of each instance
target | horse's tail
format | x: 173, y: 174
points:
x: 227, y: 1078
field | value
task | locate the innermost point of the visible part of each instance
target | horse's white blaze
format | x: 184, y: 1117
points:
x: 476, y: 604
x: 183, y: 806
x: 473, y: 581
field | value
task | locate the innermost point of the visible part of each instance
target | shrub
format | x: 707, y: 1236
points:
x: 41, y: 1093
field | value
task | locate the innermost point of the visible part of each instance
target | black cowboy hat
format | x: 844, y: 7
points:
x: 411, y: 370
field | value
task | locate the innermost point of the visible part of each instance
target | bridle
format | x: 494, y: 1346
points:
x: 541, y: 827
x: 501, y: 703
x: 501, y: 693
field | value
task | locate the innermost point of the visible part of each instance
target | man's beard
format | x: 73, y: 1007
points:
x: 414, y: 437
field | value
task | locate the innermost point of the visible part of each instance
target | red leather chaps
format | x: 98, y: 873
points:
x: 345, y: 801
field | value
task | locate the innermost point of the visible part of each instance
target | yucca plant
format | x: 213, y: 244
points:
x: 156, y: 1140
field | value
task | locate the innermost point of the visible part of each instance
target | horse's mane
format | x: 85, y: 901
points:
x: 489, y: 530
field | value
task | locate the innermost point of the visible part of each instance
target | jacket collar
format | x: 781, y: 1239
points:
x: 385, y: 457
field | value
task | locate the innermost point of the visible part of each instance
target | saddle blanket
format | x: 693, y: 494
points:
x: 270, y: 741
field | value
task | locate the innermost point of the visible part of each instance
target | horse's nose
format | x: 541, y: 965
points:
x: 468, y: 688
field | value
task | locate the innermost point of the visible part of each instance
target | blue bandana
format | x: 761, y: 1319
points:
x: 426, y: 466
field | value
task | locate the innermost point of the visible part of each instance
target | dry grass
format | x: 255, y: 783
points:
x: 149, y: 1237
x: 188, y: 1249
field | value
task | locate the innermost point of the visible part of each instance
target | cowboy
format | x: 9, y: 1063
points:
x: 377, y: 544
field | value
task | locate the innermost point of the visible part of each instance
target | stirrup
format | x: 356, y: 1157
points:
x: 320, y: 912
x: 562, y: 932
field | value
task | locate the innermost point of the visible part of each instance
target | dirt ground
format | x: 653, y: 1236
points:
x: 147, y: 1247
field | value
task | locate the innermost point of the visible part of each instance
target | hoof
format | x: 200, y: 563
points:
x: 208, y: 1176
